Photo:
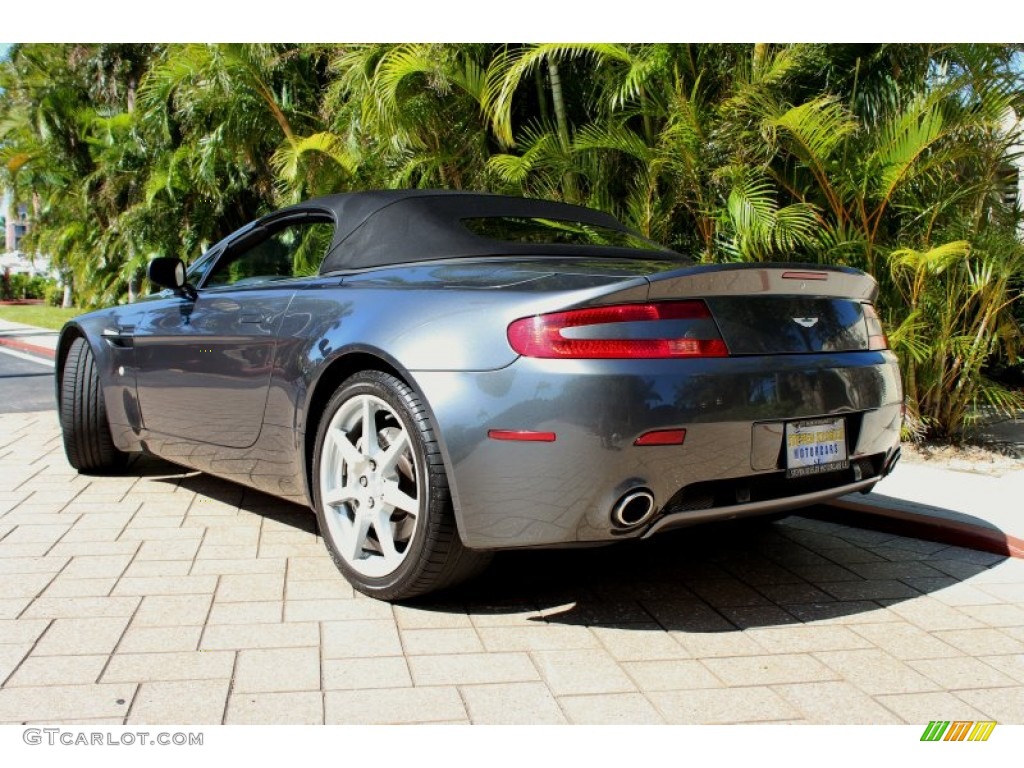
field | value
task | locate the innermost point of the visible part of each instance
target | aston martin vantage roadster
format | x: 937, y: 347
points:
x: 439, y: 375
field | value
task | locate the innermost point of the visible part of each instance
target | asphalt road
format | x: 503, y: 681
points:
x: 25, y: 385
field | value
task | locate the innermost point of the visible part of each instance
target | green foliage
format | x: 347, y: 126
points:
x: 21, y: 286
x: 958, y: 320
x: 53, y: 295
x: 890, y: 158
x: 33, y: 287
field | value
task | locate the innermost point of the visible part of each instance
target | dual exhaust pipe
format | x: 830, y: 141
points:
x: 634, y: 508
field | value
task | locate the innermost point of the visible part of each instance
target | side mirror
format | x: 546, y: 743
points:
x: 169, y: 272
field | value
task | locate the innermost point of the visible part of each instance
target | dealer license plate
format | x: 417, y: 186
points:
x: 815, y: 446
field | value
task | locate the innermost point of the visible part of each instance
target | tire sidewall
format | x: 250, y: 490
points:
x: 82, y: 413
x: 395, y: 394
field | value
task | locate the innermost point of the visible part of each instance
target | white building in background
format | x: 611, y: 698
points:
x: 14, y: 261
x: 17, y: 227
x: 17, y: 263
x: 1013, y: 191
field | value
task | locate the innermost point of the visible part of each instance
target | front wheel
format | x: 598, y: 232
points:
x: 381, y: 493
x: 83, y: 415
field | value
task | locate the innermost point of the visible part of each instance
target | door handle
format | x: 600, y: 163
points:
x: 250, y: 317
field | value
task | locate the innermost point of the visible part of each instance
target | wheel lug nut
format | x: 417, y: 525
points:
x: 363, y: 481
x: 369, y: 502
x: 373, y: 465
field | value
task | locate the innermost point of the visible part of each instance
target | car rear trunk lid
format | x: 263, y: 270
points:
x: 777, y: 309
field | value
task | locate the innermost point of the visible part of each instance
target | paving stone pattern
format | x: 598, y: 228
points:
x: 171, y: 597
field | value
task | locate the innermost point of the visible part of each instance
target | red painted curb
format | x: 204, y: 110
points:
x: 24, y: 346
x: 905, y: 523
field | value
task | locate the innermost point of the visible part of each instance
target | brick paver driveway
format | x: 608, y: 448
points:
x: 173, y: 597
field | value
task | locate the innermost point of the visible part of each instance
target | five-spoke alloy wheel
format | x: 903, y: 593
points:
x: 381, y: 494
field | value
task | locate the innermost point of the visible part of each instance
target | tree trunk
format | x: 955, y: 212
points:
x: 559, y: 101
x: 760, y: 56
x: 542, y: 96
x: 562, y: 123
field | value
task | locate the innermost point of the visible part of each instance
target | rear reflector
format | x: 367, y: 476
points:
x: 662, y: 437
x: 668, y: 329
x: 523, y: 435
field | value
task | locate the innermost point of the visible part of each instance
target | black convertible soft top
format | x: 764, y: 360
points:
x: 376, y: 229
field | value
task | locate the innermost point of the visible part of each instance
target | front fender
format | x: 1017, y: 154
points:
x: 109, y: 335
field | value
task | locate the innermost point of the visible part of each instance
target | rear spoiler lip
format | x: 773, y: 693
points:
x: 783, y: 279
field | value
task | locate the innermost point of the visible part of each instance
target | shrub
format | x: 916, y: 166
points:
x: 21, y: 286
x: 960, y: 320
x: 54, y: 294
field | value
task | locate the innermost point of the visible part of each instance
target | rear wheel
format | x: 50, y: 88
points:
x: 83, y: 415
x: 381, y: 493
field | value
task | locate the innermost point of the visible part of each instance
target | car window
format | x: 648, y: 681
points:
x: 294, y: 250
x: 198, y: 268
x: 519, y: 229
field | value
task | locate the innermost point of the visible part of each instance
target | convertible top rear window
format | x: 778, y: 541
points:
x: 521, y: 229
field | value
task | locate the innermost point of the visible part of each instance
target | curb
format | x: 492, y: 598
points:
x: 903, y: 523
x: 24, y: 346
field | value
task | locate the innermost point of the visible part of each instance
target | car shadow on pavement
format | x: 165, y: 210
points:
x: 714, y: 578
x: 720, y: 578
x: 213, y: 489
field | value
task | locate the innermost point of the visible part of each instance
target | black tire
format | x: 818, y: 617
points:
x: 83, y: 415
x: 415, y: 553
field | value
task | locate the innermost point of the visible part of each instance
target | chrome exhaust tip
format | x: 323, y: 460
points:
x: 633, y: 509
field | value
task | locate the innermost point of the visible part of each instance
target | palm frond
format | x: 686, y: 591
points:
x: 816, y: 128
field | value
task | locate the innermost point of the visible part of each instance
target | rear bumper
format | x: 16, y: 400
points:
x: 530, y: 494
x: 683, y: 518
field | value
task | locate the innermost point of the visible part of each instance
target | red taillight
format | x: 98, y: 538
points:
x: 613, y: 332
x: 876, y: 336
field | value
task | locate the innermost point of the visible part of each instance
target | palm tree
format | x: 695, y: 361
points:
x: 417, y: 108
x: 891, y: 158
x: 42, y: 152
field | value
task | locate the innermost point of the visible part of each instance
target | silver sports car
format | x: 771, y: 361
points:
x: 444, y: 374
